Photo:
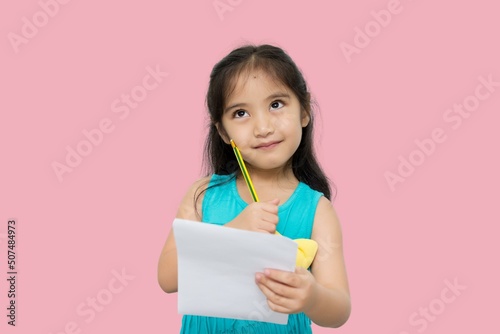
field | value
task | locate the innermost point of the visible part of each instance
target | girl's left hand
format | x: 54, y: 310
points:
x: 288, y: 292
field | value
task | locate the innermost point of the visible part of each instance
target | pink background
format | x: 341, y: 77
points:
x: 113, y: 211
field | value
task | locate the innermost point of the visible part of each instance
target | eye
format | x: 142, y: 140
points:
x: 276, y: 105
x: 239, y: 113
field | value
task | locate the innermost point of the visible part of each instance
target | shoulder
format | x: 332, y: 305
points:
x: 191, y: 202
x: 310, y: 195
x: 326, y: 218
x: 309, y: 189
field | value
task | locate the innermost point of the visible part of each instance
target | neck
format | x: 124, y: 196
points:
x: 272, y: 177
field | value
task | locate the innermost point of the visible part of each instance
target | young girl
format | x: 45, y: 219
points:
x: 258, y: 97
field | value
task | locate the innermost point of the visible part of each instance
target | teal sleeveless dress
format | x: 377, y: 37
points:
x: 221, y: 204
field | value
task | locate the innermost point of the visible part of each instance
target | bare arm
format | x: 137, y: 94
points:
x: 332, y: 305
x: 167, y: 264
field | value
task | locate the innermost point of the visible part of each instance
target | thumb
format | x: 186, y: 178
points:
x: 300, y: 270
x: 275, y: 201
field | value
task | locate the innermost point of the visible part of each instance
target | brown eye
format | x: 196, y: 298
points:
x: 239, y: 113
x: 276, y: 105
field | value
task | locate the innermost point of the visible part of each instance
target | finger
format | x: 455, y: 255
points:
x: 273, y: 209
x: 276, y: 302
x: 270, y: 218
x: 271, y: 228
x: 277, y: 288
x: 279, y: 308
x: 267, y: 228
x: 301, y: 271
x: 274, y: 201
x: 291, y: 279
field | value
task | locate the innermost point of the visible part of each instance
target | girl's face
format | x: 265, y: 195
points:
x: 264, y: 119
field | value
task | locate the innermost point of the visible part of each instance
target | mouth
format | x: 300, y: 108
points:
x: 268, y: 145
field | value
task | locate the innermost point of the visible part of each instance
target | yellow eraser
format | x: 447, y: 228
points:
x: 306, y: 252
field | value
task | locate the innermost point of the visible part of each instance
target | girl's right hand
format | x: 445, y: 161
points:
x: 257, y: 217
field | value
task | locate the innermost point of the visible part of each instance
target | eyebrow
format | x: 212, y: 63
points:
x: 270, y: 97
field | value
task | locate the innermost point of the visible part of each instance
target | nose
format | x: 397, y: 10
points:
x: 263, y: 126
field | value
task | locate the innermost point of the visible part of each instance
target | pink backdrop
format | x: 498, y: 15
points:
x: 409, y: 96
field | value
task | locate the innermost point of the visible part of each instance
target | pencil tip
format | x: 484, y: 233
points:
x: 232, y: 143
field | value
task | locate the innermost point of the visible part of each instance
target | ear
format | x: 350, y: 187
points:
x: 306, y: 112
x: 222, y: 133
x: 305, y: 119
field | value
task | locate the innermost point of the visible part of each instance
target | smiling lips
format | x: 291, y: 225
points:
x: 268, y: 145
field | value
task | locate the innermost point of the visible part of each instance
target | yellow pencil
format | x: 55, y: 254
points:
x: 244, y: 171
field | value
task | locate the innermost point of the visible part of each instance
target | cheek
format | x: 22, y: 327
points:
x: 295, y: 132
x: 289, y: 125
x: 284, y: 122
x: 238, y: 134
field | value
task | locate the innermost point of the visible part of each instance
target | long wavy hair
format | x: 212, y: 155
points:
x: 218, y: 156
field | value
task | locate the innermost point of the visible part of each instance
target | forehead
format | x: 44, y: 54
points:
x: 254, y: 82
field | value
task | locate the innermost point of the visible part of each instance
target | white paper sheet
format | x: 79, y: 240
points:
x: 217, y: 266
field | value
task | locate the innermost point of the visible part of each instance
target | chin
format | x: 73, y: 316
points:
x: 272, y: 166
